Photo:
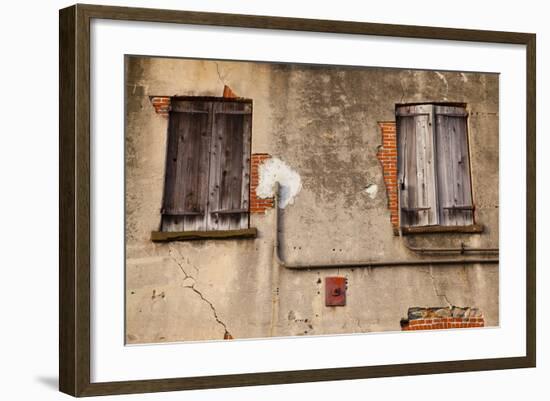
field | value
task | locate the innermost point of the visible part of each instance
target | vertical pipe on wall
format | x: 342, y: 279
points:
x: 275, y: 269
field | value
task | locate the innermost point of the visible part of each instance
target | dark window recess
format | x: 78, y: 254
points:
x: 433, y: 166
x: 207, y: 166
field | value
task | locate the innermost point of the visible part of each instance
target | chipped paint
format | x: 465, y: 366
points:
x: 371, y: 190
x: 275, y: 170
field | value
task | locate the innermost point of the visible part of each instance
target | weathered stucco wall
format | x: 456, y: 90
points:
x: 323, y: 123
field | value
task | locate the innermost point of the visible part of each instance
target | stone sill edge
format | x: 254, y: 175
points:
x: 167, y: 236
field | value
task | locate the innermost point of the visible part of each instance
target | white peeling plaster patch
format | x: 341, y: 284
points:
x: 371, y: 190
x: 464, y: 77
x: 275, y: 170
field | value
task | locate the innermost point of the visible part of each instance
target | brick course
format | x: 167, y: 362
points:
x: 162, y: 105
x: 258, y: 205
x: 442, y: 318
x: 387, y: 155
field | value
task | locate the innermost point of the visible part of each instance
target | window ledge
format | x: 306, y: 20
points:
x: 470, y: 229
x: 167, y: 236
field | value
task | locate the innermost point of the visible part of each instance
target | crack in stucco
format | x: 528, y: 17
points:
x: 196, y: 291
x: 434, y: 285
x: 192, y: 265
x: 404, y: 77
x: 444, y: 79
x: 214, y: 312
x: 402, y: 91
x: 185, y: 274
x: 219, y: 74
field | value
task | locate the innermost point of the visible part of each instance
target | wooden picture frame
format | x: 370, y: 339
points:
x: 74, y: 204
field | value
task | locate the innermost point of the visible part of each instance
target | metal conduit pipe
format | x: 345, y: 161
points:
x: 361, y: 264
x: 462, y: 249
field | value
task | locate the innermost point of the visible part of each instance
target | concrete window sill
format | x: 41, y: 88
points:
x: 470, y: 229
x: 167, y: 236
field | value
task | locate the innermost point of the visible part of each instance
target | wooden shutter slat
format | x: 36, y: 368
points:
x: 413, y: 110
x: 454, y: 169
x: 238, y: 112
x: 186, y: 190
x: 418, y: 194
x: 175, y: 212
x: 426, y: 171
x: 232, y: 167
x: 229, y: 211
x: 215, y: 171
x: 169, y: 201
x: 409, y: 192
x: 231, y: 177
x: 463, y: 189
x: 189, y: 106
x: 466, y: 173
x: 451, y: 111
x: 401, y: 159
x: 444, y: 165
x: 229, y: 166
x: 245, y: 161
x: 455, y: 178
x: 193, y: 167
x: 421, y: 173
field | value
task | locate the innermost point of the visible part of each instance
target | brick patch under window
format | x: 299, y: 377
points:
x: 258, y: 205
x: 442, y: 318
x: 161, y: 105
x: 387, y: 155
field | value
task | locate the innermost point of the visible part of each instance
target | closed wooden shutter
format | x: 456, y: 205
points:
x: 416, y: 170
x: 453, y: 166
x: 230, y: 165
x: 187, y: 167
x: 207, y: 166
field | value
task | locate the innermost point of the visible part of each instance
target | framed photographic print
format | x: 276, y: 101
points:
x: 251, y: 200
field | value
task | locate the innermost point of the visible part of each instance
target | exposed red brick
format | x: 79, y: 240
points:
x: 442, y: 318
x: 387, y: 155
x: 258, y: 205
x: 162, y: 105
x: 228, y: 92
